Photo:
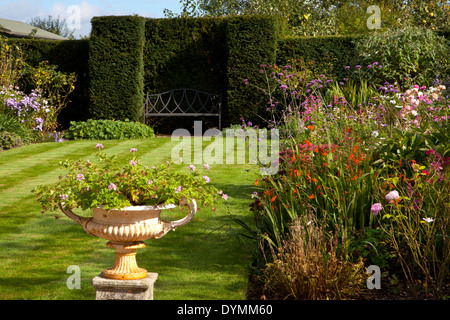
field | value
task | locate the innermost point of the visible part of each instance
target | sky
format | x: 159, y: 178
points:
x: 78, y: 13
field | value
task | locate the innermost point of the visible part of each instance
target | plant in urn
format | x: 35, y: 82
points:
x: 126, y: 202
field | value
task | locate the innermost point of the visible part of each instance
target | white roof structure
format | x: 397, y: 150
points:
x: 12, y: 28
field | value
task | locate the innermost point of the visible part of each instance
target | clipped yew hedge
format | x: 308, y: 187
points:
x: 116, y: 67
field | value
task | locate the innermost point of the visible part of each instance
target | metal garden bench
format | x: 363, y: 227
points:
x: 183, y: 102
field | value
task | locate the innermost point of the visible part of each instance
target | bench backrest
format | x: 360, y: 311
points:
x: 183, y: 102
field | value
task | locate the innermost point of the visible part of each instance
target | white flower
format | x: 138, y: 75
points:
x: 428, y: 220
x: 391, y: 196
x: 414, y: 113
x: 375, y: 134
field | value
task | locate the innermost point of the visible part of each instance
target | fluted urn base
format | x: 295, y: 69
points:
x: 125, y: 266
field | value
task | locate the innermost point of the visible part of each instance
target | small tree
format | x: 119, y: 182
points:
x: 54, y: 25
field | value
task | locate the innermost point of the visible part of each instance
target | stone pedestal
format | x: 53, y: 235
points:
x: 110, y: 289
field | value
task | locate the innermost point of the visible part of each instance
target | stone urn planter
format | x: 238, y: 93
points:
x: 126, y: 229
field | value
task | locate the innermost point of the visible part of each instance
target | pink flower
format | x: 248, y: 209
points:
x: 191, y: 167
x: 206, y: 166
x: 391, y: 196
x: 63, y: 196
x: 98, y: 146
x: 206, y: 179
x: 225, y: 196
x: 376, y: 207
x: 80, y: 177
x: 133, y: 163
x: 112, y: 186
x: 178, y: 189
x: 133, y: 150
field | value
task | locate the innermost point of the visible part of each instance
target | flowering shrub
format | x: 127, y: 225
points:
x: 55, y: 85
x: 408, y: 55
x: 11, y: 63
x: 108, y: 184
x: 416, y: 216
x: 33, y: 110
x: 361, y: 157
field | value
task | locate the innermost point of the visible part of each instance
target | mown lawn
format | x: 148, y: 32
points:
x: 206, y: 259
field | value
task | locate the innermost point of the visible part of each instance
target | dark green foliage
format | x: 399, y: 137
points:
x: 107, y: 130
x: 251, y: 42
x: 184, y: 53
x: 9, y: 140
x: 116, y: 67
x: 330, y: 53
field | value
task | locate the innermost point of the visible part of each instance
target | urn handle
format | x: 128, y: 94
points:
x: 172, y: 225
x: 83, y: 221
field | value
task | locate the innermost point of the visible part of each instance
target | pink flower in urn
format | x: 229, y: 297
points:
x: 112, y: 186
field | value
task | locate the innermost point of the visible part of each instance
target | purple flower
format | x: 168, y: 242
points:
x: 358, y: 66
x: 80, y: 177
x: 376, y: 207
x: 347, y: 67
x: 112, y: 186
